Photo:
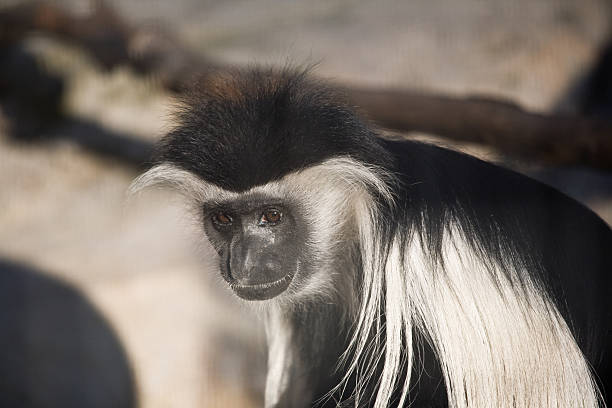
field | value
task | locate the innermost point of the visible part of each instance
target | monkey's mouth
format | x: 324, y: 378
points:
x: 262, y: 291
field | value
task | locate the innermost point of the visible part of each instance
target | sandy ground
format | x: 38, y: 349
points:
x: 143, y: 265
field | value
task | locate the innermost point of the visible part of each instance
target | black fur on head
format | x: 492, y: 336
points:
x: 245, y: 128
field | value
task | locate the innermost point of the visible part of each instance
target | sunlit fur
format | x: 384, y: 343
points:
x: 500, y: 340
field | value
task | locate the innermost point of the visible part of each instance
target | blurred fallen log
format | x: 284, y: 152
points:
x: 101, y: 31
x: 29, y: 95
x: 31, y: 100
x: 554, y: 139
x: 120, y: 146
x: 147, y: 49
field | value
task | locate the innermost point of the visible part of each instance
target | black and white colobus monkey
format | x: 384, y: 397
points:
x: 388, y: 272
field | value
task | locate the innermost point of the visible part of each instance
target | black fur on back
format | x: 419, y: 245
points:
x: 246, y: 128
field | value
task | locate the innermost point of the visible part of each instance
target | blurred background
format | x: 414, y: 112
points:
x: 106, y: 302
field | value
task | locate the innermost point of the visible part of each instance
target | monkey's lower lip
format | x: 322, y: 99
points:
x: 262, y: 291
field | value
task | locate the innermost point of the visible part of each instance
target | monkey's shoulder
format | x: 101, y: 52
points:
x: 453, y: 186
x: 453, y: 178
x: 570, y: 247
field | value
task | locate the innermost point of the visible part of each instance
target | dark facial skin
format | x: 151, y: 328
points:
x: 259, y: 245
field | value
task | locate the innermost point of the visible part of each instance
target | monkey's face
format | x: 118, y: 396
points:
x: 258, y: 243
x: 295, y: 237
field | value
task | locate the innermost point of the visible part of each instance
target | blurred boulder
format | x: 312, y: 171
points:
x: 56, y: 349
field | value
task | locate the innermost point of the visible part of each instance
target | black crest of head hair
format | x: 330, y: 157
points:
x: 238, y: 129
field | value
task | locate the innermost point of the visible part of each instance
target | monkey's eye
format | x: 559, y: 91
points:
x: 270, y: 217
x: 222, y: 219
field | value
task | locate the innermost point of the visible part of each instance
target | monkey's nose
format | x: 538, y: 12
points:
x: 264, y: 270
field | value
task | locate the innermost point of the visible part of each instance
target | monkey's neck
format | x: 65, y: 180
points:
x: 304, y: 346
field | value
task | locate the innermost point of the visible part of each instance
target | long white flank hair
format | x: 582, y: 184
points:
x: 500, y: 340
x: 497, y: 335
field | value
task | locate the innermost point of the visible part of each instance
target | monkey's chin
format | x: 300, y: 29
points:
x: 262, y: 291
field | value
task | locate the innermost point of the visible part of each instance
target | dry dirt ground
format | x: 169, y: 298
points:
x: 143, y: 267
